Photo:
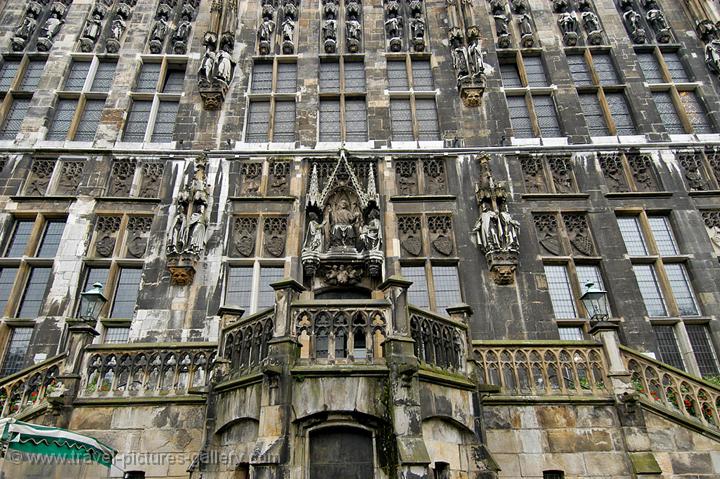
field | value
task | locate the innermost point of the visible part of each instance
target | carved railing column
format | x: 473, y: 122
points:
x: 607, y: 333
x: 80, y: 335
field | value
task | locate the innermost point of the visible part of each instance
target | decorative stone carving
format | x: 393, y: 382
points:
x: 434, y: 175
x: 40, y: 175
x: 329, y: 26
x: 250, y: 179
x: 614, y: 173
x: 217, y: 67
x: 181, y: 36
x: 533, y: 174
x: 138, y: 230
x: 656, y: 19
x: 188, y: 232
x: 441, y: 236
x: 496, y: 231
x: 591, y: 24
x: 266, y: 28
x: 243, y: 237
x: 406, y: 177
x: 527, y: 38
x: 632, y: 22
x: 519, y: 7
x: 410, y: 230
x: 52, y: 25
x: 579, y: 234
x: 279, y: 178
x: 713, y: 157
x: 712, y: 225
x: 119, y: 25
x: 693, y: 170
x: 152, y: 175
x: 106, y: 228
x: 343, y: 275
x: 707, y: 30
x: 562, y: 175
x: 70, y: 175
x: 93, y: 28
x: 353, y: 27
x: 394, y: 25
x: 569, y: 27
x: 121, y: 178
x: 561, y: 6
x: 502, y: 30
x: 712, y: 55
x: 274, y: 234
x: 27, y: 27
x: 547, y: 231
x: 159, y: 32
x: 642, y: 172
x: 344, y: 225
x: 288, y: 36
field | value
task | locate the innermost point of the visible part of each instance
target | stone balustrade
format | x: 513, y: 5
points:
x: 341, y: 331
x: 543, y: 368
x: 439, y: 341
x: 245, y: 341
x: 673, y: 390
x: 145, y: 369
x: 32, y: 387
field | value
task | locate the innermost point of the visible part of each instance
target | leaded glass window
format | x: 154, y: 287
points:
x: 447, y: 287
x: 258, y: 121
x: 579, y: 70
x: 650, y: 289
x: 329, y: 77
x: 51, y: 238
x: 34, y: 295
x: 401, y: 119
x: 354, y: 76
x: 165, y: 121
x: 546, y: 116
x: 79, y: 72
x: 7, y: 279
x: 174, y: 80
x: 620, y: 111
x: 703, y: 349
x: 16, y: 350
x: 21, y: 237
x: 676, y: 67
x: 662, y: 232
x: 632, y: 235
x: 104, y: 76
x: 284, y: 128
x: 605, y: 69
x: 64, y: 114
x: 8, y: 70
x: 422, y: 75
x: 262, y: 78
x: 89, y: 121
x: 31, y: 78
x: 418, y: 291
x: 137, y: 120
x: 266, y: 294
x: 695, y: 112
x: 287, y: 78
x: 14, y: 118
x: 570, y: 333
x: 147, y: 80
x: 397, y: 75
x: 667, y: 343
x: 650, y: 67
x: 593, y: 114
x: 561, y: 295
x: 681, y: 289
x: 535, y: 71
x: 427, y: 119
x: 520, y: 117
x: 117, y: 335
x: 356, y: 120
x: 668, y: 113
x: 330, y: 120
x: 238, y: 289
x: 510, y: 75
x: 126, y: 293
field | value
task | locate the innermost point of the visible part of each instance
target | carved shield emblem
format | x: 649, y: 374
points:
x: 136, y: 246
x: 105, y: 246
x: 443, y: 245
x: 275, y: 245
x: 583, y: 244
x: 412, y: 245
x: 551, y: 244
x: 245, y: 244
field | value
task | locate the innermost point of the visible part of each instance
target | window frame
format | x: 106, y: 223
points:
x: 272, y: 97
x: 342, y: 95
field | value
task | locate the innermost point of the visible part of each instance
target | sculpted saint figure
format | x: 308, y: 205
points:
x: 343, y: 224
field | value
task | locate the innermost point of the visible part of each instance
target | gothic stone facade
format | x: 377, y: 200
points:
x: 350, y: 238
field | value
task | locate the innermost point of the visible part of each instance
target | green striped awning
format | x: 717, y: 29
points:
x: 52, y: 441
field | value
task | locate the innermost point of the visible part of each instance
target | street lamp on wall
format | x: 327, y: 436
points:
x: 595, y: 301
x: 91, y: 302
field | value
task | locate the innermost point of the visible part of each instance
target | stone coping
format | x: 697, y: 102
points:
x: 150, y: 346
x: 443, y: 378
x: 533, y: 342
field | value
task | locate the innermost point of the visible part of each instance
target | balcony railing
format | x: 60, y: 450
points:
x: 30, y: 388
x: 439, y: 342
x: 557, y: 368
x: 673, y: 390
x: 246, y: 341
x: 146, y: 369
x: 341, y: 331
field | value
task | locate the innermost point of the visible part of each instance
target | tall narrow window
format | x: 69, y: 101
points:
x: 413, y: 112
x: 650, y: 289
x: 418, y: 291
x: 703, y: 349
x: 520, y: 117
x: 51, y: 238
x: 89, y: 120
x: 126, y: 293
x: 447, y: 286
x: 271, y: 113
x: 64, y: 114
x: 16, y: 351
x: 137, y: 120
x: 238, y: 289
x: 669, y: 351
x: 266, y: 294
x: 35, y: 291
x: 165, y: 121
x: 14, y: 118
x: 561, y: 294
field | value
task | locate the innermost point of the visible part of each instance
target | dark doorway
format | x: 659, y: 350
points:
x: 341, y: 453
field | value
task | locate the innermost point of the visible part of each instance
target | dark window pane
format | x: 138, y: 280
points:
x: 16, y: 350
x: 668, y: 113
x: 175, y: 80
x: 258, y: 121
x: 593, y: 114
x: 675, y: 65
x: 520, y: 117
x: 239, y: 287
x: 427, y: 119
x: 104, y: 76
x: 579, y: 70
x: 620, y: 111
x: 354, y: 76
x: 148, y: 78
x: 126, y: 293
x: 650, y: 67
x: 535, y: 71
x: 64, y: 113
x: 397, y: 75
x: 422, y: 75
x: 20, y: 239
x: 34, y: 295
x: 669, y: 352
x: 7, y: 73
x: 266, y: 295
x: 137, y: 120
x: 418, y: 291
x: 510, y: 75
x: 329, y: 120
x: 261, y: 78
x: 117, y: 335
x: 401, y: 118
x: 561, y: 295
x: 51, y: 239
x: 605, y: 69
x: 329, y: 77
x: 32, y: 75
x: 447, y: 287
x: 284, y: 127
x: 681, y: 289
x: 89, y: 120
x: 546, y: 116
x: 165, y: 122
x: 14, y: 118
x: 649, y: 289
x: 7, y: 279
x: 76, y: 77
x: 703, y: 349
x: 287, y: 78
x: 695, y: 112
x: 355, y: 120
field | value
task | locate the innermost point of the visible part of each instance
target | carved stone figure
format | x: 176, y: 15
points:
x: 475, y: 54
x: 371, y: 233
x: 488, y: 227
x: 51, y: 27
x: 181, y: 35
x: 707, y: 30
x: 497, y: 7
x: 23, y: 33
x: 632, y: 20
x: 207, y: 66
x: 502, y: 29
x: 343, y: 225
x: 117, y: 28
x: 288, y: 35
x: 178, y: 234
x: 157, y: 35
x: 330, y: 29
x: 353, y: 33
x: 526, y: 31
x: 656, y: 19
x: 568, y: 26
x: 712, y: 55
x: 224, y: 67
x: 561, y: 6
x: 519, y: 6
x: 510, y: 229
x: 417, y: 29
x: 591, y: 24
x: 394, y: 27
x: 315, y: 240
x: 265, y: 31
x: 197, y: 227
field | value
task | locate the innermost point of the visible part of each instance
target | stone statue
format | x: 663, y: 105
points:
x: 525, y: 25
x: 510, y: 230
x: 26, y: 28
x: 568, y: 23
x: 207, y: 66
x: 476, y: 59
x: 288, y: 30
x: 417, y: 28
x: 181, y: 35
x: 265, y: 31
x: 330, y: 9
x: 712, y: 55
x: 343, y: 224
x: 488, y: 227
x: 51, y: 27
x: 92, y: 29
x: 707, y: 30
x: 657, y: 21
x: 315, y: 240
x: 519, y: 6
x: 501, y: 25
x: 224, y: 67
x: 197, y: 226
x: 160, y: 30
x: 497, y: 7
x: 117, y: 28
x: 352, y: 27
x: 394, y: 27
x: 178, y: 235
x: 632, y: 20
x: 561, y: 6
x: 329, y: 29
x: 371, y: 233
x: 591, y: 23
x: 459, y: 53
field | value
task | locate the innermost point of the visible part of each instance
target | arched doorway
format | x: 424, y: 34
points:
x: 341, y: 452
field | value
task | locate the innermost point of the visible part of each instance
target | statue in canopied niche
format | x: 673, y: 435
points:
x: 371, y: 233
x: 315, y: 239
x: 343, y: 221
